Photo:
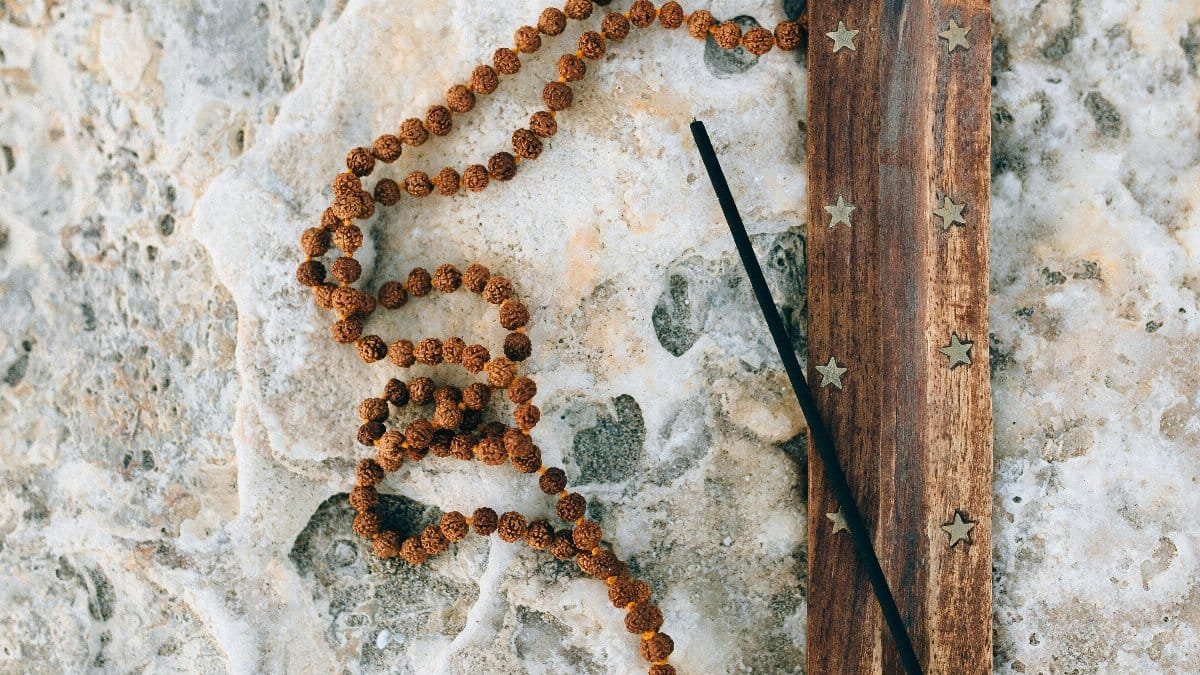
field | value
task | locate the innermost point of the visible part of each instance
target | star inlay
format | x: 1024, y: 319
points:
x: 950, y: 213
x: 838, y: 520
x: 955, y: 36
x: 959, y: 529
x: 839, y: 212
x: 831, y: 373
x: 957, y: 351
x: 843, y: 38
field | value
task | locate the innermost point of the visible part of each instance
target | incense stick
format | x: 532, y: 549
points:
x: 820, y: 433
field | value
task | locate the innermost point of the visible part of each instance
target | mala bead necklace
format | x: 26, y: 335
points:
x: 455, y: 429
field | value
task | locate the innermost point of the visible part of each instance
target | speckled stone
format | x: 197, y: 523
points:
x: 176, y: 470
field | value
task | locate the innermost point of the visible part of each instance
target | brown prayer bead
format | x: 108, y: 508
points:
x: 512, y: 527
x: 614, y: 26
x: 641, y: 13
x: 447, y: 181
x: 437, y: 120
x: 418, y: 184
x: 475, y: 177
x: 552, y: 21
x: 527, y: 40
x: 506, y: 61
x: 484, y: 521
x: 758, y: 40
x: 526, y: 144
x: 788, y: 35
x: 459, y: 99
x: 727, y: 35
x: 387, y: 148
x: 517, y: 346
x: 553, y: 481
x: 543, y: 124
x: 387, y: 192
x: 419, y: 282
x: 484, y: 80
x: 502, y: 166
x: 591, y: 45
x: 670, y: 15
x: 699, y: 23
x: 413, y: 132
x: 360, y: 161
x: 578, y: 9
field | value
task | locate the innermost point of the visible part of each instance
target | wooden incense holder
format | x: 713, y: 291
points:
x: 899, y: 130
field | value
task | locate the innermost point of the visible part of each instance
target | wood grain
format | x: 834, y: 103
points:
x: 895, y: 126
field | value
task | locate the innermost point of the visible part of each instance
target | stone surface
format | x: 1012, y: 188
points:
x: 178, y: 428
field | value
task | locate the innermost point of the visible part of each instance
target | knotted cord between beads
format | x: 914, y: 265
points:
x: 455, y: 429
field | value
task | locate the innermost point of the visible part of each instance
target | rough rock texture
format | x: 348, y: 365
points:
x: 178, y: 428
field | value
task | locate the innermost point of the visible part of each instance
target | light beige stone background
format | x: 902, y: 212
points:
x: 176, y: 430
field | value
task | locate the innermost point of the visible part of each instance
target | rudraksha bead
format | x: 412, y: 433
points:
x: 644, y: 617
x: 513, y: 314
x: 454, y: 526
x: 393, y: 295
x: 527, y: 40
x: 459, y: 99
x: 641, y: 13
x: 475, y: 177
x: 657, y: 647
x: 758, y: 40
x: 552, y: 21
x: 413, y: 132
x: 571, y: 507
x: 484, y: 521
x: 360, y: 161
x: 506, y: 61
x: 552, y: 481
x: 387, y: 148
x: 400, y: 353
x: 670, y: 15
x: 512, y: 527
x: 699, y: 23
x: 419, y: 282
x: 476, y: 396
x: 368, y: 472
x: 539, y: 535
x: 484, y: 80
x: 727, y: 35
x: 502, y: 166
x: 497, y: 289
x: 591, y: 45
x: 614, y: 26
x: 433, y: 541
x: 476, y: 277
x: 543, y: 124
x: 587, y: 535
x: 517, y: 346
x: 373, y: 410
x: 788, y: 35
x: 438, y: 120
x: 522, y: 390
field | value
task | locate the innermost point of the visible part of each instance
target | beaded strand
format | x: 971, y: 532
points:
x: 455, y: 429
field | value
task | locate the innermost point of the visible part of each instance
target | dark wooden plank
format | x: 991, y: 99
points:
x: 895, y: 126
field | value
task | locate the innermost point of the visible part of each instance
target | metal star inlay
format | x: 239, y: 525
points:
x: 839, y: 212
x: 843, y: 38
x: 955, y: 36
x: 838, y: 520
x: 957, y: 351
x: 831, y: 373
x: 959, y: 529
x: 950, y: 213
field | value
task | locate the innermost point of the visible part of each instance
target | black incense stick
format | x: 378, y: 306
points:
x: 820, y: 434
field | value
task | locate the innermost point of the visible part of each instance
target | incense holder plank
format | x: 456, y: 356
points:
x: 899, y: 128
